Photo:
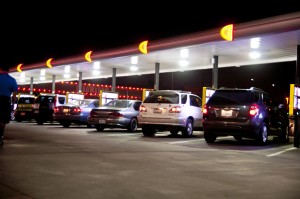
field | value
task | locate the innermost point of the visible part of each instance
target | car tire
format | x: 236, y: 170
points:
x: 90, y: 126
x: 133, y: 125
x: 188, y: 130
x: 209, y: 138
x: 66, y: 124
x: 39, y: 122
x: 174, y: 132
x: 148, y: 130
x: 99, y: 128
x: 238, y: 138
x: 262, y: 137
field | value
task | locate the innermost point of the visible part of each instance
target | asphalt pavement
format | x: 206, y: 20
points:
x: 49, y: 161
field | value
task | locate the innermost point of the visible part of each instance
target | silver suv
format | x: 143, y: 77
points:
x: 171, y: 110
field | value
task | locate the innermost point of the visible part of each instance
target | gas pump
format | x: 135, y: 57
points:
x: 74, y: 96
x: 206, y: 94
x: 107, y: 96
x: 146, y: 93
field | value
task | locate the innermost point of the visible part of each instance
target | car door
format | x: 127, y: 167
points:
x: 196, y: 110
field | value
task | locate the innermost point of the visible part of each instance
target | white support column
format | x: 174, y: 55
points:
x: 156, y: 85
x: 113, y: 85
x: 215, y: 71
x: 80, y: 82
x: 53, y: 84
x: 31, y: 85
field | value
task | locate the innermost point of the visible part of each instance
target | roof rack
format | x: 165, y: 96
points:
x: 180, y: 91
x: 255, y: 88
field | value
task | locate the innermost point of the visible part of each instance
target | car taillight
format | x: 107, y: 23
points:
x: 253, y: 110
x: 56, y: 110
x: 205, y: 111
x: 77, y: 110
x: 175, y: 109
x: 115, y: 115
x: 143, y: 108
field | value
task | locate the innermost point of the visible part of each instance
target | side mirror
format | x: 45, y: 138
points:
x: 281, y: 106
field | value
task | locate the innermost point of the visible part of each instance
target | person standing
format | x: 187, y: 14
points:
x: 8, y: 92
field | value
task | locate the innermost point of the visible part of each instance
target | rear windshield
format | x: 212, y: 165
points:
x: 164, y: 98
x: 45, y: 98
x: 233, y: 97
x: 84, y: 102
x: 119, y: 104
x: 26, y: 100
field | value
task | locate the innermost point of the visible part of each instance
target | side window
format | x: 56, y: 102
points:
x: 183, y: 99
x: 96, y: 104
x: 137, y: 105
x: 195, y: 101
x: 256, y: 97
x: 61, y: 100
x: 267, y: 100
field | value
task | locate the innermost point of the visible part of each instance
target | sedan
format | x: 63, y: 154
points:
x: 116, y: 114
x: 76, y: 111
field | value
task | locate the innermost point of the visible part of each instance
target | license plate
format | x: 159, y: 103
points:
x: 226, y: 113
x: 101, y: 121
x: 65, y: 110
x: 36, y: 111
x: 157, y: 110
x: 22, y: 113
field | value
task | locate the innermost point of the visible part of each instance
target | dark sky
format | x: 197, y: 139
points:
x: 32, y: 32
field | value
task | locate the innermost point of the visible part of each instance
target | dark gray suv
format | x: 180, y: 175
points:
x: 248, y: 113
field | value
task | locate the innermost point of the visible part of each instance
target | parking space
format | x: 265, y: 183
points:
x: 49, y: 161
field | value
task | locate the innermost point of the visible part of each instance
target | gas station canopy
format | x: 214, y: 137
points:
x: 268, y: 40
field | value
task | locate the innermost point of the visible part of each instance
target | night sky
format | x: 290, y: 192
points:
x: 32, y: 32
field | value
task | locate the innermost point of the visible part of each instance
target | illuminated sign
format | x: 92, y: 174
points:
x: 143, y: 47
x: 48, y: 63
x: 88, y: 56
x: 227, y: 32
x: 19, y: 67
x: 74, y: 96
x: 110, y: 95
x: 107, y: 96
x: 294, y: 99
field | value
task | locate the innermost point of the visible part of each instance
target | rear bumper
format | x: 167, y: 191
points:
x: 180, y: 122
x: 70, y: 118
x: 247, y: 128
x: 121, y: 122
x: 23, y: 115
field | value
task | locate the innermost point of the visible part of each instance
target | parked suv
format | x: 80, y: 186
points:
x: 171, y: 110
x: 248, y: 113
x: 24, y: 109
x: 44, y: 105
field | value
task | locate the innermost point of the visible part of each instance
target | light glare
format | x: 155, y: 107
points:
x: 255, y: 43
x: 97, y: 65
x: 184, y: 53
x: 183, y: 63
x: 67, y: 69
x: 254, y: 55
x: 134, y: 60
